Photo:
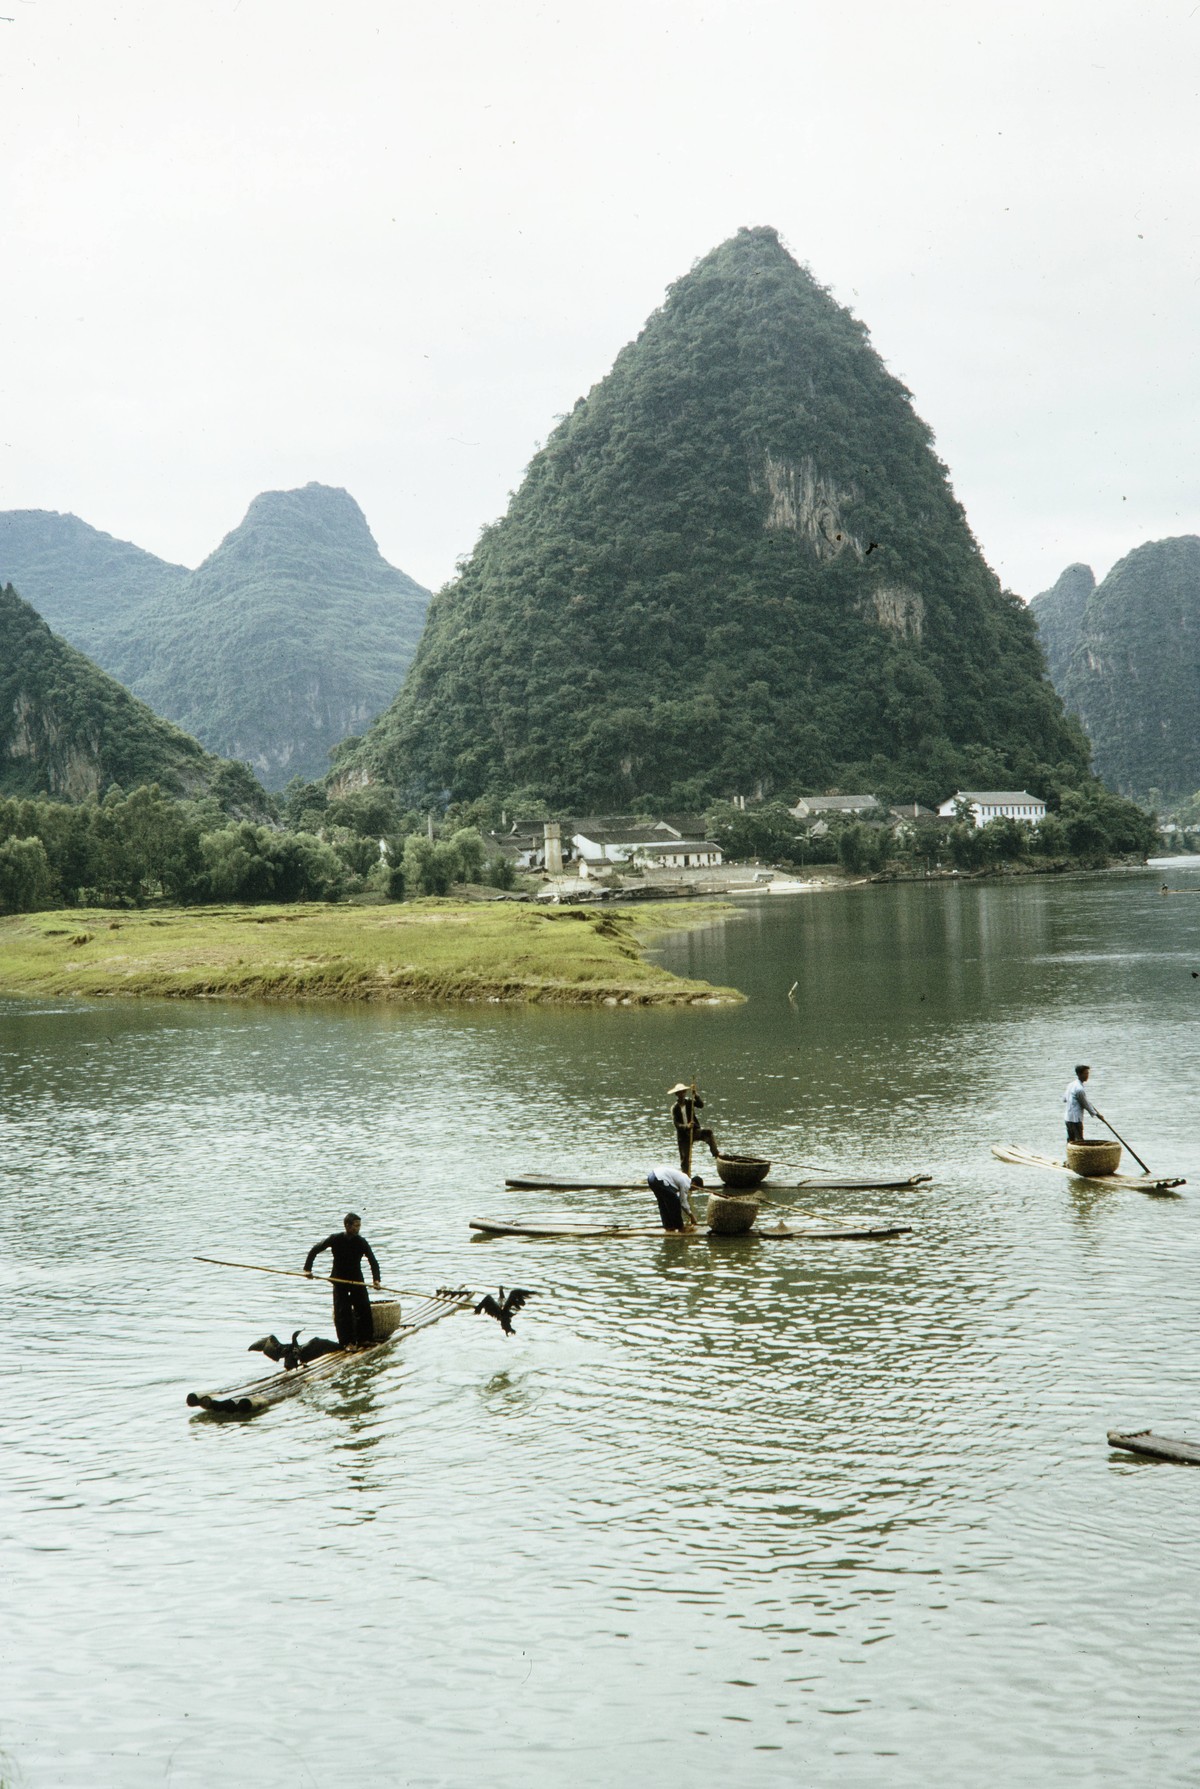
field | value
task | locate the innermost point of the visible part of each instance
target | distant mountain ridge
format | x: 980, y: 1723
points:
x: 1125, y: 657
x: 293, y: 634
x: 67, y: 729
x: 737, y: 567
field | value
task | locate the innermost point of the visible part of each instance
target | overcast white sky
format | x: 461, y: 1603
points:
x: 249, y: 243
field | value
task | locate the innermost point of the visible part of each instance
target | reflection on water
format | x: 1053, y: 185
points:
x: 840, y: 1514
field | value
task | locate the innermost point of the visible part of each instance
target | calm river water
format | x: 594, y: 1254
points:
x: 765, y: 1514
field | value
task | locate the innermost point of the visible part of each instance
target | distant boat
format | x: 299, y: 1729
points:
x: 1156, y: 1447
x: 828, y: 1183
x: 626, y: 1232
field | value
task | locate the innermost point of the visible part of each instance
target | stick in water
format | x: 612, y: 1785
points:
x: 1120, y: 1139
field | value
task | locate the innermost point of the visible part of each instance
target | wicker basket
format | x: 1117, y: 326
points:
x: 742, y: 1170
x: 385, y: 1317
x: 730, y: 1215
x: 1093, y: 1159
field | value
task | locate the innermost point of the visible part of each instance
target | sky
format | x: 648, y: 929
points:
x: 250, y: 243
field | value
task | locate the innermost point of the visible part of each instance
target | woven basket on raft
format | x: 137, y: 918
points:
x: 385, y: 1316
x: 742, y: 1170
x: 1093, y: 1158
x: 730, y: 1215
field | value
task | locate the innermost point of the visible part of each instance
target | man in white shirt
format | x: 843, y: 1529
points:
x: 672, y: 1190
x: 1077, y: 1103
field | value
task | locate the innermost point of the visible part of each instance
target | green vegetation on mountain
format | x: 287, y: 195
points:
x: 1131, y: 671
x: 1059, y: 615
x: 736, y: 567
x: 83, y: 582
x: 69, y: 730
x: 294, y: 633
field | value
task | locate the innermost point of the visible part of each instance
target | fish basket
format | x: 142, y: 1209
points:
x: 1093, y: 1159
x: 742, y: 1170
x: 385, y: 1317
x: 730, y: 1216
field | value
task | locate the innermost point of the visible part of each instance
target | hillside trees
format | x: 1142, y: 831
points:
x: 736, y: 566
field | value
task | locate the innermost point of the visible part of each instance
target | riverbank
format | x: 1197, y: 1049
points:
x: 432, y: 950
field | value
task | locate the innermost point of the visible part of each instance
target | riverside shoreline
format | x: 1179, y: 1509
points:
x: 419, y: 951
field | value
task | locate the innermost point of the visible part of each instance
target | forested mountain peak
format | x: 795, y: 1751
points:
x: 68, y: 729
x: 1059, y: 615
x: 314, y: 530
x: 1132, y: 670
x: 79, y: 579
x: 292, y: 634
x: 736, y: 566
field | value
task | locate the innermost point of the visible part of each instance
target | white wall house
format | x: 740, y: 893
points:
x: 657, y: 846
x: 819, y: 807
x: 995, y: 804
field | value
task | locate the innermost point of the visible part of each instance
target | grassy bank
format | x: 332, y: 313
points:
x: 422, y: 950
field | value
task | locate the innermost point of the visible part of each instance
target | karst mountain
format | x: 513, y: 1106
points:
x: 1125, y: 657
x: 69, y: 730
x: 736, y: 567
x: 294, y: 633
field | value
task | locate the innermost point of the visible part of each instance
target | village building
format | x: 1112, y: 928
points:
x: 819, y: 807
x: 652, y: 844
x: 994, y: 804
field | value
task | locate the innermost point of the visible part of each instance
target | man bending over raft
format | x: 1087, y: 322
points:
x: 1078, y: 1103
x: 351, y: 1304
x: 672, y: 1189
x: 687, y: 1125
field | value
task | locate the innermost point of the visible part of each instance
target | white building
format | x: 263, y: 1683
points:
x: 819, y: 807
x: 655, y: 845
x: 995, y: 804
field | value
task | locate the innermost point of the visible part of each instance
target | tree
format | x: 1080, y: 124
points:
x: 25, y: 878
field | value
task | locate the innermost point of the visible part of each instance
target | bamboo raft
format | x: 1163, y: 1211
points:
x: 538, y: 1183
x: 1138, y: 1183
x: 625, y: 1232
x: 1156, y: 1447
x: 259, y: 1394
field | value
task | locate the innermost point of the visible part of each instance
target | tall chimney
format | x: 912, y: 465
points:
x: 553, y: 836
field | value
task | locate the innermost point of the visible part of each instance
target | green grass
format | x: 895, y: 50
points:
x: 429, y: 950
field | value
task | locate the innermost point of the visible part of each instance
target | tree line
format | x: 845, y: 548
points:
x: 131, y: 848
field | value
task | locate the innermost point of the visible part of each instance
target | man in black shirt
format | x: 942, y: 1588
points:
x: 351, y: 1304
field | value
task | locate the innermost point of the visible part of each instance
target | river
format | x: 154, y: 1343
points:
x: 837, y: 1514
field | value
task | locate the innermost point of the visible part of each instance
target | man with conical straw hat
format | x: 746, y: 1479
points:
x: 687, y: 1125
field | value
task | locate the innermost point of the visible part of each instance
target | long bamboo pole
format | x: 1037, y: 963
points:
x: 1120, y: 1139
x: 293, y: 1273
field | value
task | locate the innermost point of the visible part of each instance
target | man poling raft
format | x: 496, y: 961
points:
x: 351, y: 1302
x: 688, y: 1129
x: 1077, y: 1103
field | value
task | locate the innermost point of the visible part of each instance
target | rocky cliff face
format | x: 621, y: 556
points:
x: 1059, y: 615
x: 1127, y: 660
x: 736, y: 564
x: 294, y: 633
x: 69, y: 730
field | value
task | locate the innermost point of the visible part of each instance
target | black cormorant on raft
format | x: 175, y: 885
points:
x: 260, y: 1394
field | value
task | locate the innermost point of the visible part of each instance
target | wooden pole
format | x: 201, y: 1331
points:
x: 1120, y: 1139
x: 293, y: 1273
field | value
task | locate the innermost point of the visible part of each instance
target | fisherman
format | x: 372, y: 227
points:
x: 687, y: 1125
x: 352, y: 1317
x: 672, y: 1189
x: 1077, y: 1103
